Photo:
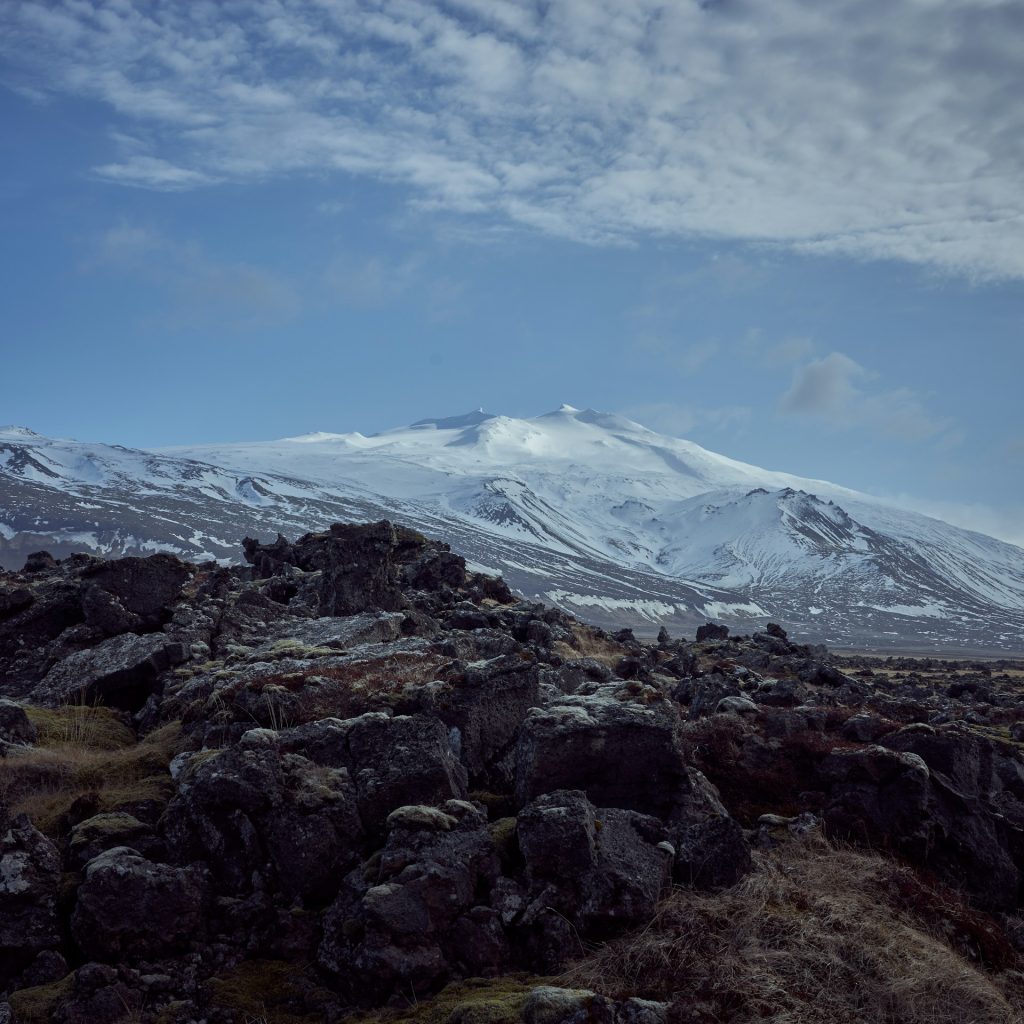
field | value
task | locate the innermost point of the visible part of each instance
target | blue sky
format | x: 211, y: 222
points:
x: 791, y: 232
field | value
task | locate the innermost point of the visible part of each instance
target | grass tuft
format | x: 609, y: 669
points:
x: 815, y: 935
x: 86, y: 754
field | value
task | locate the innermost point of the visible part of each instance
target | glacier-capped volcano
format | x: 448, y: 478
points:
x: 588, y: 510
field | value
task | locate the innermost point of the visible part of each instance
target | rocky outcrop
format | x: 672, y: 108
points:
x: 417, y: 914
x: 121, y: 671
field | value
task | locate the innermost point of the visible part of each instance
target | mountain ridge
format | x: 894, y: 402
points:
x: 589, y: 510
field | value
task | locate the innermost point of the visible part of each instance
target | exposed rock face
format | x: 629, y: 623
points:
x: 30, y: 870
x: 121, y: 671
x: 129, y: 906
x: 262, y: 817
x: 412, y: 921
x: 600, y: 867
x: 711, y: 631
x: 392, y: 775
x: 15, y: 726
x: 363, y: 567
x: 140, y: 589
x: 622, y: 750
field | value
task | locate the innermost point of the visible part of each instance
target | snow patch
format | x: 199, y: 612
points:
x: 723, y: 610
x: 916, y: 611
x: 653, y: 610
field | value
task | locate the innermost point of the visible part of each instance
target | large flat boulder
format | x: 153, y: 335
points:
x: 121, y: 671
x: 619, y: 745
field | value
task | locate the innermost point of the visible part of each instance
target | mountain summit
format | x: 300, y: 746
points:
x: 588, y: 510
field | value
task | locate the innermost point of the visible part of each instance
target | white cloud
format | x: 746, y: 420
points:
x: 152, y: 172
x: 858, y: 127
x: 837, y: 390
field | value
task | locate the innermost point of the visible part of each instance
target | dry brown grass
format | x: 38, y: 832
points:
x: 85, y: 752
x: 323, y: 691
x: 815, y: 935
x: 586, y: 644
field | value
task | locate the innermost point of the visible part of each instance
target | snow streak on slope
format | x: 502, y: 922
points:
x: 587, y: 509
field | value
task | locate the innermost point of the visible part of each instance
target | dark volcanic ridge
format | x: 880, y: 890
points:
x: 353, y: 779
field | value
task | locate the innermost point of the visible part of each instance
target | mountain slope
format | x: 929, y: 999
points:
x: 587, y: 509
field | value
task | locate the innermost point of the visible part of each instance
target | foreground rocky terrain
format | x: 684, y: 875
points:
x: 353, y: 780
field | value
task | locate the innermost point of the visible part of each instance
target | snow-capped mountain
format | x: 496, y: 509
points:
x: 584, y: 509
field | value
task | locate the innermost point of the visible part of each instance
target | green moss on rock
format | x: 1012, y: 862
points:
x: 39, y: 1004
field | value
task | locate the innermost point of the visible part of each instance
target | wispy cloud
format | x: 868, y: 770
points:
x: 839, y: 391
x: 200, y: 288
x: 774, y: 355
x: 858, y: 127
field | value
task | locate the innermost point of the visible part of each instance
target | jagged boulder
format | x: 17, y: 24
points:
x: 15, y: 725
x: 879, y: 796
x: 144, y: 588
x: 93, y: 836
x: 363, y: 567
x: 484, y: 706
x: 100, y: 994
x: 412, y: 918
x: 30, y: 872
x: 601, y: 868
x: 712, y: 631
x: 400, y: 760
x: 122, y: 671
x: 711, y: 849
x: 256, y: 812
x: 130, y: 907
x: 620, y: 746
x: 976, y: 807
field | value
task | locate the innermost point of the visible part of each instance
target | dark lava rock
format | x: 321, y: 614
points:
x: 30, y: 872
x: 143, y: 587
x: 129, y: 907
x: 39, y: 561
x: 621, y: 752
x: 15, y: 726
x: 101, y: 832
x: 258, y: 815
x: 363, y: 567
x: 121, y: 671
x: 712, y: 631
x: 602, y: 868
x: 484, y: 707
x: 99, y: 995
x: 401, y: 928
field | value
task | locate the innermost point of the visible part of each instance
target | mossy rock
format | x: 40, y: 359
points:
x: 499, y: 805
x: 274, y: 990
x: 503, y: 835
x: 475, y: 1001
x: 105, y: 831
x: 39, y: 1004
